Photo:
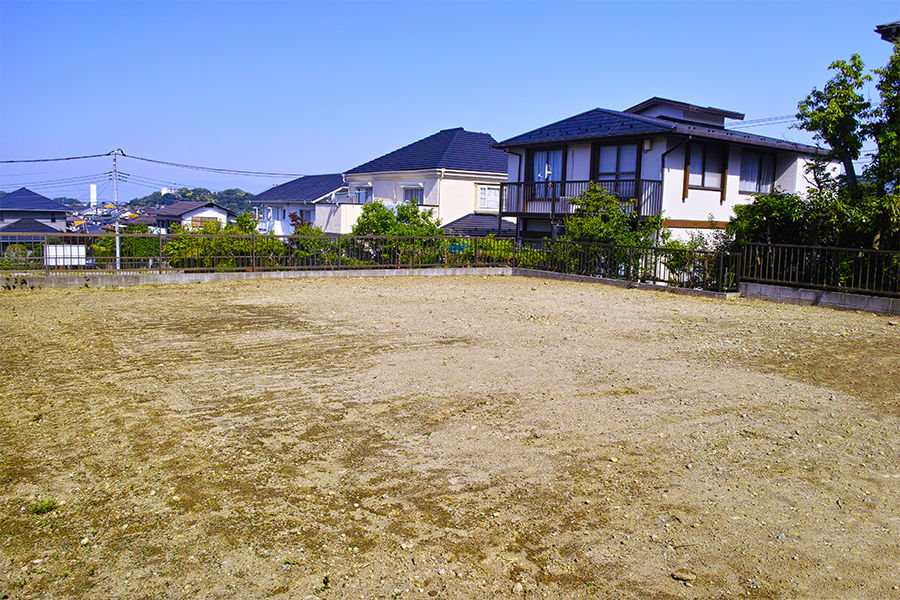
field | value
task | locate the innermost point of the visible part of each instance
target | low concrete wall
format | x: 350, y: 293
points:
x: 624, y: 284
x: 121, y: 279
x: 839, y: 300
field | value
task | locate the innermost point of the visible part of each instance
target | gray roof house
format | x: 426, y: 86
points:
x: 192, y: 215
x: 25, y: 204
x: 660, y: 157
x: 313, y: 198
x: 453, y: 172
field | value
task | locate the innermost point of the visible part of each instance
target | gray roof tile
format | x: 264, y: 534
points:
x: 448, y: 149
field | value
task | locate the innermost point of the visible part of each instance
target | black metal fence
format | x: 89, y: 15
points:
x: 838, y: 269
x: 860, y: 271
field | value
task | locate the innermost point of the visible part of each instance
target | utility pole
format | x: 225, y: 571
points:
x: 116, y: 204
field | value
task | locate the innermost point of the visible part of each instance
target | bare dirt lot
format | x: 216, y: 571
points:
x: 449, y: 437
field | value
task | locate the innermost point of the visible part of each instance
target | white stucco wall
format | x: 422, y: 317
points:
x: 450, y: 194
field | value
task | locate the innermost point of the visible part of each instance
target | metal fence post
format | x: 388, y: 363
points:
x: 253, y: 252
x: 159, y: 258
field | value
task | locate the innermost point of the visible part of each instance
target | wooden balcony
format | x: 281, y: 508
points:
x: 554, y: 199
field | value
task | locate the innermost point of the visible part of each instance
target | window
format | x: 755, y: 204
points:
x: 413, y: 195
x: 757, y: 173
x: 488, y: 197
x: 617, y: 162
x: 363, y: 195
x: 198, y: 222
x: 706, y: 166
x: 547, y: 165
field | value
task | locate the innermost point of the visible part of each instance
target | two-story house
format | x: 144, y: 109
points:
x: 453, y: 172
x: 660, y: 157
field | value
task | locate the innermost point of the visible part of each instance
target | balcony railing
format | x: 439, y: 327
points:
x: 638, y: 196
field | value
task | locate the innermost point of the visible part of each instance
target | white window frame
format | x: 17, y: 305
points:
x: 418, y: 190
x: 485, y: 202
x: 365, y: 191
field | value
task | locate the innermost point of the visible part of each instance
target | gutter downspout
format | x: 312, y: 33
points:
x: 663, y: 174
x: 663, y: 158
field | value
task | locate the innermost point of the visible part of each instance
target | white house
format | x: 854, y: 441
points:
x: 316, y: 199
x: 192, y: 215
x: 453, y: 172
x: 659, y: 157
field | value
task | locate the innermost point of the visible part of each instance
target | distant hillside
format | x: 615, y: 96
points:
x: 235, y: 200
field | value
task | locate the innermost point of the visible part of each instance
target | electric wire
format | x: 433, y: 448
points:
x: 214, y: 169
x: 40, y: 160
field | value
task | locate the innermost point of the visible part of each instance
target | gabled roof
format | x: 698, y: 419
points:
x: 595, y: 123
x: 474, y: 225
x: 28, y: 226
x: 180, y: 208
x: 25, y: 199
x: 600, y: 123
x: 689, y: 108
x: 456, y: 149
x: 304, y: 189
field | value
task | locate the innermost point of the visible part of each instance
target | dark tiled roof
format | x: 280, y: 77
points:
x: 590, y: 125
x: 602, y: 123
x: 889, y: 32
x: 480, y: 226
x: 25, y: 199
x: 180, y: 208
x: 448, y: 149
x: 304, y: 189
x: 28, y: 226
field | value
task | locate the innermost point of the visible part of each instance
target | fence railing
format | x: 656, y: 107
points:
x: 859, y: 271
x: 838, y: 269
x: 637, y: 196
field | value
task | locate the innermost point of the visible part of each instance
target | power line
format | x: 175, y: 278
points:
x: 40, y: 160
x: 214, y: 169
x: 782, y: 120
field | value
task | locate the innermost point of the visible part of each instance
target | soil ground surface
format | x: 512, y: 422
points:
x: 445, y: 437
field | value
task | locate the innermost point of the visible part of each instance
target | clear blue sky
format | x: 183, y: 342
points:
x: 309, y: 87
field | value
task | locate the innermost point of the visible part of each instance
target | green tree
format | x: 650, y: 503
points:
x: 776, y: 218
x: 836, y: 114
x: 885, y: 127
x: 599, y: 218
x: 406, y: 220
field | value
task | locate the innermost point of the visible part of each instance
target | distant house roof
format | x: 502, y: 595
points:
x: 689, y: 108
x: 28, y: 226
x: 26, y: 200
x: 303, y: 189
x: 604, y: 123
x: 889, y: 32
x: 180, y: 208
x: 456, y: 149
x: 479, y: 226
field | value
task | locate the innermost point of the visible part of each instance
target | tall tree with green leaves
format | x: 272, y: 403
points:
x: 885, y: 127
x: 837, y: 114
